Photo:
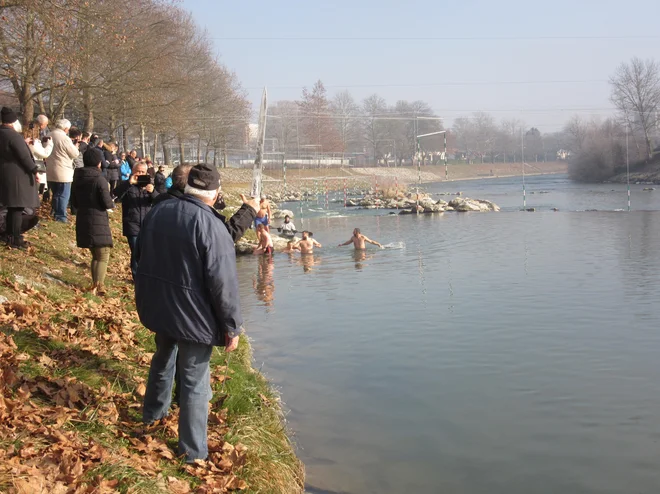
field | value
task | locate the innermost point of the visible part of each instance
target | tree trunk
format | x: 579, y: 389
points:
x: 167, y: 156
x: 88, y: 106
x: 206, y: 154
x: 142, y: 142
x: 27, y: 104
x: 182, y: 153
x: 224, y: 157
x: 113, y: 128
x: 215, y: 157
x: 155, y: 147
x: 124, y: 135
x: 199, y: 150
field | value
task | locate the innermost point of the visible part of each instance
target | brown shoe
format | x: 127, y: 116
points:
x: 100, y: 290
x: 93, y: 289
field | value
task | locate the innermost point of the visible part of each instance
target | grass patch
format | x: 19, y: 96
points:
x: 77, y: 365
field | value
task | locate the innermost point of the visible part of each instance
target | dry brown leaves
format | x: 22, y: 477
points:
x: 44, y: 449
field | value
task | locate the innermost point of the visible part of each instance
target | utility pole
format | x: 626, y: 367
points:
x: 627, y: 169
x: 522, y: 151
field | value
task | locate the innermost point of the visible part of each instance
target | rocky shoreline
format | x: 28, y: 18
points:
x: 405, y: 204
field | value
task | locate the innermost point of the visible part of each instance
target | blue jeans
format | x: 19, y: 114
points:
x: 195, y: 394
x: 61, y: 191
x: 132, y: 243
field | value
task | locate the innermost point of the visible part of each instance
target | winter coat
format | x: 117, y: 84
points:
x: 41, y: 152
x: 131, y: 161
x: 18, y: 185
x: 78, y: 162
x: 125, y: 170
x: 91, y: 196
x: 159, y: 182
x: 236, y: 225
x: 59, y: 165
x: 186, y: 286
x: 136, y: 203
x: 113, y: 165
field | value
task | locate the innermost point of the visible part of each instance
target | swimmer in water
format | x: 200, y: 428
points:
x: 307, y: 244
x: 265, y: 245
x: 360, y: 241
x: 291, y: 247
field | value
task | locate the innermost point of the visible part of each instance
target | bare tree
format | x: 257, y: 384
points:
x: 318, y: 127
x: 346, y: 110
x: 374, y: 108
x: 636, y: 94
x: 484, y: 134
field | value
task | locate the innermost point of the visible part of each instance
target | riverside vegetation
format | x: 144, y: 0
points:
x: 73, y: 370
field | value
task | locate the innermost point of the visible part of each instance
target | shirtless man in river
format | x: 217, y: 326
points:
x: 307, y: 244
x: 359, y: 241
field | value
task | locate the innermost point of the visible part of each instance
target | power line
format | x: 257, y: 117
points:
x: 430, y: 38
x: 440, y: 84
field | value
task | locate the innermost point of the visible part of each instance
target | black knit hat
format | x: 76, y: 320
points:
x: 92, y: 157
x: 8, y: 115
x: 204, y: 177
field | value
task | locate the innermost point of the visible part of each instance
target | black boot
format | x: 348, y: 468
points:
x: 17, y: 242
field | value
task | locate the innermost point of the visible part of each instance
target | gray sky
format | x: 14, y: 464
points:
x: 555, y: 61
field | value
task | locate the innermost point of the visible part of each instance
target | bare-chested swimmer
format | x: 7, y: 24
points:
x: 307, y: 244
x: 360, y: 241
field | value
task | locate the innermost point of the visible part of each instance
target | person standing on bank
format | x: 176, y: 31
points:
x: 60, y: 167
x: 90, y: 196
x: 136, y: 196
x: 203, y: 305
x: 19, y: 183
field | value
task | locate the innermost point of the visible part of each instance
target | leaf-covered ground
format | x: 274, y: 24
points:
x: 73, y: 370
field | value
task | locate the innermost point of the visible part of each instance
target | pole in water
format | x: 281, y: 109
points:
x: 396, y: 192
x: 522, y: 153
x: 446, y: 169
x: 345, y: 194
x: 376, y: 179
x: 419, y: 176
x: 627, y: 169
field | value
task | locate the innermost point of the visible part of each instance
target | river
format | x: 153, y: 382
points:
x: 484, y: 353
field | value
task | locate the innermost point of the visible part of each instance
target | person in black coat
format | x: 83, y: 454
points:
x: 136, y: 200
x: 159, y: 180
x: 19, y: 183
x: 90, y: 194
x: 110, y: 155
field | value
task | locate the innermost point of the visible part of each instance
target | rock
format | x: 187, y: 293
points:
x: 3, y: 299
x: 649, y: 188
x: 53, y: 279
x: 278, y: 215
x: 555, y: 209
x: 244, y: 248
x: 467, y: 204
x: 530, y: 210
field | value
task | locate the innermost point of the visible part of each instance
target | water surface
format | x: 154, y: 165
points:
x: 496, y: 353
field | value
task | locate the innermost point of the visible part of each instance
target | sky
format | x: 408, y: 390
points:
x: 535, y: 61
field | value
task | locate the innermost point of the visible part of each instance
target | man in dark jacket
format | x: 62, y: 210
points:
x: 159, y: 180
x: 18, y: 177
x: 240, y: 221
x: 136, y: 201
x: 187, y: 259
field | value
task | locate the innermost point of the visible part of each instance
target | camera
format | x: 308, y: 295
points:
x: 143, y: 180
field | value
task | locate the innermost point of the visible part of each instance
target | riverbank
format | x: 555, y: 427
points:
x: 315, y: 180
x: 73, y: 371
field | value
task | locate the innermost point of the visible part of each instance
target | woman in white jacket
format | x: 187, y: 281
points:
x: 40, y: 149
